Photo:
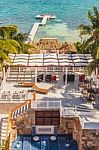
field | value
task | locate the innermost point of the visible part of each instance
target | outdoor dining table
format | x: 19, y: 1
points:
x: 5, y: 97
x: 15, y: 96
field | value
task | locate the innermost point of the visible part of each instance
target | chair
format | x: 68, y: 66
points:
x: 48, y: 78
x: 40, y: 78
x: 53, y: 78
x: 15, y: 96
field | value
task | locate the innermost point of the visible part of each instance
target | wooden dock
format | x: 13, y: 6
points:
x: 32, y: 33
x: 35, y: 27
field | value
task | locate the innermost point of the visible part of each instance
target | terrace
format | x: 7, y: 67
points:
x: 44, y: 74
x: 47, y: 71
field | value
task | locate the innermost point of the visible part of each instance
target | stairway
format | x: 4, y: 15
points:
x: 5, y: 124
x: 3, y: 128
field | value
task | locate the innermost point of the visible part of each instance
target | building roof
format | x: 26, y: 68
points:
x: 49, y: 59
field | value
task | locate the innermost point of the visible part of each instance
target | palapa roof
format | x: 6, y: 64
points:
x: 54, y: 44
x: 49, y: 44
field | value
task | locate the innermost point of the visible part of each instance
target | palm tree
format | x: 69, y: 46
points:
x: 90, y: 44
x: 21, y: 38
x: 68, y: 48
x: 12, y: 42
x: 7, y: 43
x: 7, y: 32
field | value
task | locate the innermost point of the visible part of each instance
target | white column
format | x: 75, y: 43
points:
x: 97, y: 83
x: 19, y: 69
x: 35, y: 74
x: 63, y: 69
x: 73, y: 69
x: 9, y: 70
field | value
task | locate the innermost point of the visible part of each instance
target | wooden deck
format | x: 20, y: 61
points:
x: 35, y: 27
x: 6, y: 107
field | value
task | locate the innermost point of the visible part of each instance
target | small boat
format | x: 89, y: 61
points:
x: 42, y: 15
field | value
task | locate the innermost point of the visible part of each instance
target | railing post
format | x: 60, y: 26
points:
x: 34, y: 95
x: 35, y: 74
x: 20, y: 111
x: 47, y: 104
x: 9, y: 121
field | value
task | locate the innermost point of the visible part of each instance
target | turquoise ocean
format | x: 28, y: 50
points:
x: 69, y: 14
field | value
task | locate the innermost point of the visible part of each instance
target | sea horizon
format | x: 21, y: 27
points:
x: 69, y: 15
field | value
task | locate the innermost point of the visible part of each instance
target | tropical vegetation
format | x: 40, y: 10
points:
x: 89, y: 35
x: 11, y: 42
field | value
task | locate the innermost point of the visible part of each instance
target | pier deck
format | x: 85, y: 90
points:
x: 35, y: 27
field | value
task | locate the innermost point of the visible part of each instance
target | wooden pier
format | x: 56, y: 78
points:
x: 35, y: 27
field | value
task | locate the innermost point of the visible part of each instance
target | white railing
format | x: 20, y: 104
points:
x: 72, y: 111
x: 22, y: 108
x: 47, y: 104
x: 13, y: 97
x: 69, y: 111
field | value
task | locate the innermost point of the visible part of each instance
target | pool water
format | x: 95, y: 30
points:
x: 44, y: 143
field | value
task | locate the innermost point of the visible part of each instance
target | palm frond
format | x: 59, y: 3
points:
x: 85, y: 29
x: 7, y: 47
x: 21, y: 37
x: 10, y: 30
x: 96, y: 12
x: 89, y: 15
x: 14, y: 43
x: 97, y: 55
x: 88, y: 42
x: 3, y: 34
x: 3, y: 56
x: 91, y: 67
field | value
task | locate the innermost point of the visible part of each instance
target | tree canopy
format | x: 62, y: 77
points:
x: 90, y: 44
x: 11, y: 41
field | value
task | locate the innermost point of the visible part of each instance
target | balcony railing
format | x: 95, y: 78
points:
x: 73, y: 111
x: 53, y: 104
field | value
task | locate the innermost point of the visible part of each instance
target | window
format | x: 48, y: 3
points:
x: 47, y: 118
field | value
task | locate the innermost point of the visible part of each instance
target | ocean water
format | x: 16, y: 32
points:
x: 69, y: 14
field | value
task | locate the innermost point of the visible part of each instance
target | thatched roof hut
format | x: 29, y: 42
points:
x: 34, y: 49
x: 52, y: 45
x: 49, y: 44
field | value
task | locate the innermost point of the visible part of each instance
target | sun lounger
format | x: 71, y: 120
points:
x: 25, y: 84
x: 40, y: 90
x: 34, y: 86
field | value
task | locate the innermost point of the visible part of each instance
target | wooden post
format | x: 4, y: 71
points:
x: 34, y: 95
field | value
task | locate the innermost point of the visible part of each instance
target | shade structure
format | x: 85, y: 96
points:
x: 74, y: 60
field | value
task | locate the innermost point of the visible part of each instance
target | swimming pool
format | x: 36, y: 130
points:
x: 45, y: 142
